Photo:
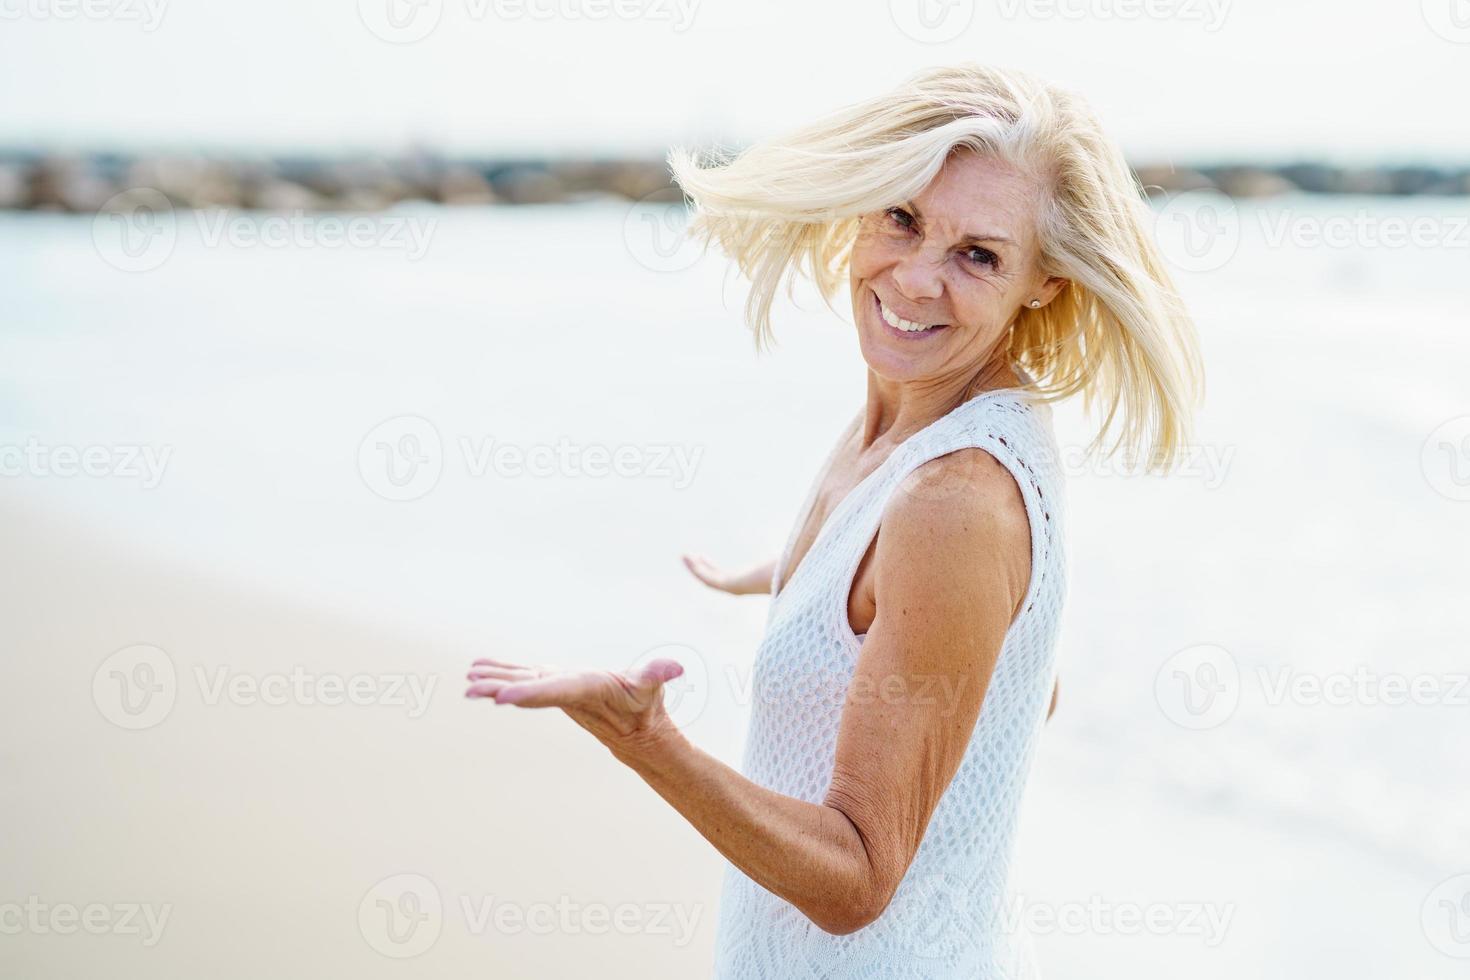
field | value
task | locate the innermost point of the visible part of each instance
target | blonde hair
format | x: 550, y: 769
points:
x: 1118, y: 333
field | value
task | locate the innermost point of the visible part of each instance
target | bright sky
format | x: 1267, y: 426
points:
x: 1180, y: 79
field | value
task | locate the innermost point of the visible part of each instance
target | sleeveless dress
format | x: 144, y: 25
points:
x: 953, y: 914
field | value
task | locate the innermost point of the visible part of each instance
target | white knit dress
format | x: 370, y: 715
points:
x: 952, y: 915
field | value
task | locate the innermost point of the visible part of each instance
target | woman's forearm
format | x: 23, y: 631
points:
x: 756, y: 581
x: 752, y: 581
x: 812, y: 855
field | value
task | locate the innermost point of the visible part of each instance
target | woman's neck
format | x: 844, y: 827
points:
x: 897, y: 409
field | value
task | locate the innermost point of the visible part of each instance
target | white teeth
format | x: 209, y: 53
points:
x: 899, y: 323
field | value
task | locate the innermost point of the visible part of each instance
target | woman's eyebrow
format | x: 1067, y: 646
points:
x: 990, y: 238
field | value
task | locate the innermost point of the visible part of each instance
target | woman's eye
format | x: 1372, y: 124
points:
x: 981, y: 256
x: 900, y: 217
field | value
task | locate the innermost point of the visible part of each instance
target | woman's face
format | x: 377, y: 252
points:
x: 959, y: 260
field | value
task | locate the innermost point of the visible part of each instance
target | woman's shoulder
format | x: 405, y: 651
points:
x: 965, y: 484
x: 998, y: 462
x: 959, y: 519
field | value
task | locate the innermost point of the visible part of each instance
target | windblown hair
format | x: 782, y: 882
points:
x: 1118, y: 334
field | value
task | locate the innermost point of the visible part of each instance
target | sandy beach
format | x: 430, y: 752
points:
x: 257, y: 825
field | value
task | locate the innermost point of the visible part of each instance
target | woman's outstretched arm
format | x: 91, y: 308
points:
x: 752, y: 581
x: 951, y: 570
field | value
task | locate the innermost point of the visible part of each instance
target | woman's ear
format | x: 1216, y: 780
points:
x: 1050, y: 288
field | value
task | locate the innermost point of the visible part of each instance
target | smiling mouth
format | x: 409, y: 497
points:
x: 902, y: 327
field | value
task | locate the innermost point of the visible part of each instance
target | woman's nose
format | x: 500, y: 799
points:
x: 918, y: 276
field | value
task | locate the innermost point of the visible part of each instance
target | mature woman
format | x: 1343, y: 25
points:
x: 996, y: 250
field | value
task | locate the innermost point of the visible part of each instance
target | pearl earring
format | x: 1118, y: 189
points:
x: 1035, y: 304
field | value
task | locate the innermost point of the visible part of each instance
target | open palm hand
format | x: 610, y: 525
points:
x: 620, y: 708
